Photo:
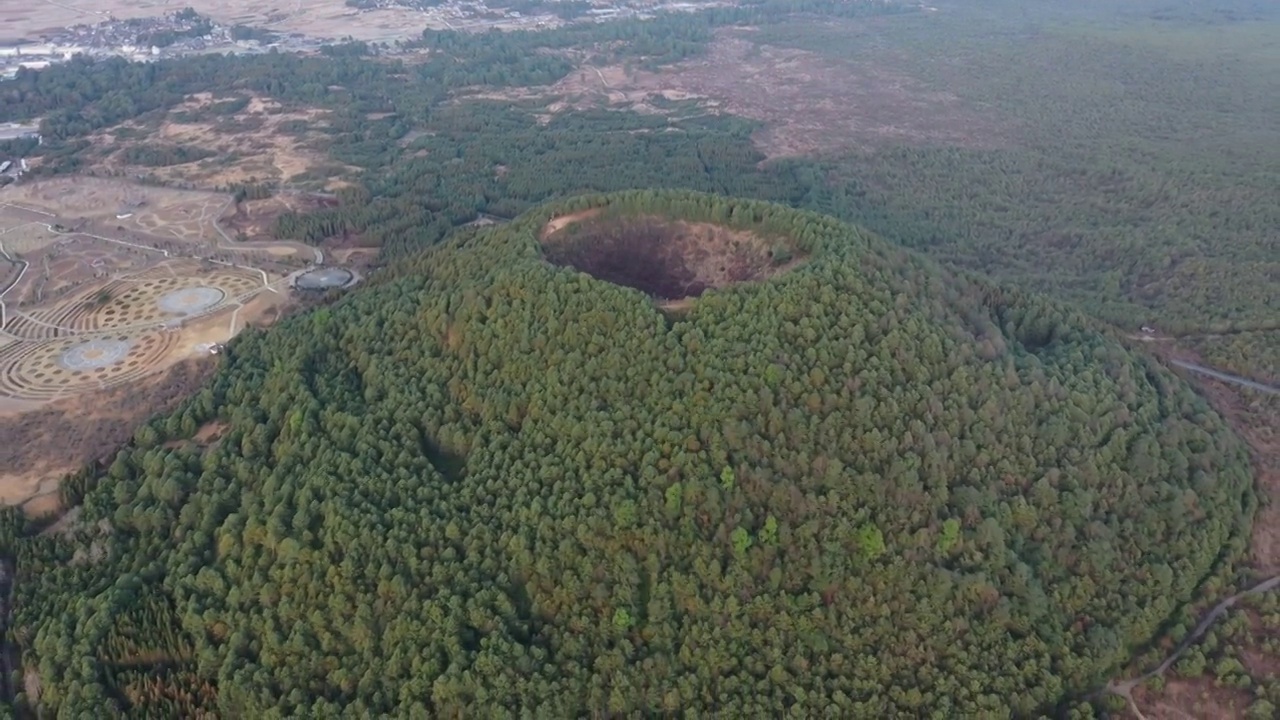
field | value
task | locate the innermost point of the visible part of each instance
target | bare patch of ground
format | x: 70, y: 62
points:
x: 1192, y: 699
x: 668, y: 260
x: 257, y: 218
x: 557, y: 224
x: 808, y: 103
x: 39, y: 447
x: 1260, y: 664
x: 261, y: 142
x: 210, y: 432
x: 359, y: 257
x: 65, y: 523
x: 43, y: 506
x: 31, y: 683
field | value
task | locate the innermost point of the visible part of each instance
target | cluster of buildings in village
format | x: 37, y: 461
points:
x: 145, y: 40
x: 12, y: 168
x: 186, y: 32
x: 524, y: 14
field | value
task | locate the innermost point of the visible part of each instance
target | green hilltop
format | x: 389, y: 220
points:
x: 834, y: 481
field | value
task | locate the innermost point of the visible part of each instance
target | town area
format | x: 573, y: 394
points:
x: 224, y: 27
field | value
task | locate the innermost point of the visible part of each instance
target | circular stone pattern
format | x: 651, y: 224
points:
x: 94, y: 354
x: 324, y: 279
x: 189, y: 301
x: 47, y: 369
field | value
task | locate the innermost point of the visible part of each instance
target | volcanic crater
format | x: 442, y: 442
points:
x: 672, y: 261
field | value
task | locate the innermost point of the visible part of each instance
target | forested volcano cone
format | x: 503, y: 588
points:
x: 496, y: 487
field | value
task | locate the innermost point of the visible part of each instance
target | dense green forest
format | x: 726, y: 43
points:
x: 1128, y: 169
x: 487, y: 485
x: 1128, y: 163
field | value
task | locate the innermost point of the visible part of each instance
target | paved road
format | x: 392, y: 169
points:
x: 1225, y: 377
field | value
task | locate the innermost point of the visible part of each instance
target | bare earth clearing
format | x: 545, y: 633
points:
x: 260, y: 143
x: 111, y: 295
x: 808, y: 103
x: 317, y: 18
x: 256, y: 218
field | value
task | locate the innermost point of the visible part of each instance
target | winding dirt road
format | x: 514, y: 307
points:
x: 1225, y: 377
x: 237, y: 245
x: 1125, y: 688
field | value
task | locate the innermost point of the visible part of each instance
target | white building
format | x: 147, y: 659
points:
x: 44, y: 49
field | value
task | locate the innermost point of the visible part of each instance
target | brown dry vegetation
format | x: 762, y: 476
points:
x: 92, y: 203
x: 251, y: 145
x: 38, y: 447
x: 811, y: 103
x: 807, y: 102
x: 669, y: 260
x: 1192, y: 699
x: 256, y: 218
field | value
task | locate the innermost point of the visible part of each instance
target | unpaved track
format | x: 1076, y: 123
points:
x: 1225, y: 377
x: 1125, y: 688
x: 234, y: 245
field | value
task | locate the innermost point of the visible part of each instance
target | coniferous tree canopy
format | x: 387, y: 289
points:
x: 487, y: 486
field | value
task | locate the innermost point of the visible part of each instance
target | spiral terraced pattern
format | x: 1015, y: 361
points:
x: 62, y: 366
x: 149, y: 299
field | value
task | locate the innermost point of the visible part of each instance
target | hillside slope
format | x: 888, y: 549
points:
x: 854, y: 485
